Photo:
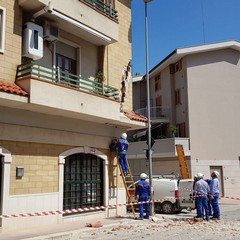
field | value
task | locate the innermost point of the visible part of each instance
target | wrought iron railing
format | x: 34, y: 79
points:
x: 63, y: 77
x: 103, y: 7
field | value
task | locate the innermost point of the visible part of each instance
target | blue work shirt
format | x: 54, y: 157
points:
x: 143, y: 188
x: 122, y: 146
x: 214, y: 186
x: 201, y: 187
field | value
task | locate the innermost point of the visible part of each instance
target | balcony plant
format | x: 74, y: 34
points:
x: 99, y: 78
x: 172, y: 130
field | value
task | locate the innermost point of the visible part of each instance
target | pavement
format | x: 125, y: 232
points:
x: 67, y: 231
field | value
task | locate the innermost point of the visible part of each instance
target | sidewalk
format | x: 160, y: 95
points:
x: 64, y: 230
x: 71, y: 230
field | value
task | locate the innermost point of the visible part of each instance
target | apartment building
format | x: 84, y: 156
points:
x: 65, y: 93
x: 196, y: 90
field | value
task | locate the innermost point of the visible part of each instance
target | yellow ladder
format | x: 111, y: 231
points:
x: 129, y: 185
x: 182, y: 161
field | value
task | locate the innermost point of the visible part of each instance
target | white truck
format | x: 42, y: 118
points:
x: 172, y: 195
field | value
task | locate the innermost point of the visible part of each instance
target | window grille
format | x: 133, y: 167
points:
x: 83, y: 181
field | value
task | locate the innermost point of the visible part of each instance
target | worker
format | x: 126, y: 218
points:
x: 201, y: 190
x: 122, y: 147
x: 209, y: 197
x: 195, y: 179
x: 142, y: 194
x: 214, y: 195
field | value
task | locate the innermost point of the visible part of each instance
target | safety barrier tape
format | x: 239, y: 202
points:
x: 233, y: 198
x: 68, y: 211
x: 46, y: 213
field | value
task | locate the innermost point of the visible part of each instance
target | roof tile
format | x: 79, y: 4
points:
x: 135, y: 116
x: 12, y: 88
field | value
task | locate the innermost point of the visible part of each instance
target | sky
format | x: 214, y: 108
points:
x: 180, y: 23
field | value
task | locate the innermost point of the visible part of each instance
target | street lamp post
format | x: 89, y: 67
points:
x: 149, y: 151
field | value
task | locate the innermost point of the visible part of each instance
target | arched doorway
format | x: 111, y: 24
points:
x: 82, y: 181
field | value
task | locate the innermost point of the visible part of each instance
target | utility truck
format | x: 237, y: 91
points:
x: 171, y: 195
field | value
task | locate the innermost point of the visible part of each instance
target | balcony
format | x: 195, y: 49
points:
x: 158, y: 114
x: 162, y: 148
x: 55, y: 92
x: 105, y: 9
x: 56, y: 75
x: 91, y: 20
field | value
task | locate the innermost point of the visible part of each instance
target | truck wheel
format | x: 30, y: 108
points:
x: 167, y: 208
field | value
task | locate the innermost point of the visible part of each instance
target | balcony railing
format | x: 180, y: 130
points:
x: 156, y: 113
x: 162, y: 148
x: 58, y: 76
x: 102, y: 7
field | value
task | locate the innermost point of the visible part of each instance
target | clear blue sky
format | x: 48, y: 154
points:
x: 180, y: 23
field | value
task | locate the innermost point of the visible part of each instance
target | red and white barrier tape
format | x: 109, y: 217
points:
x: 46, y: 213
x: 231, y: 198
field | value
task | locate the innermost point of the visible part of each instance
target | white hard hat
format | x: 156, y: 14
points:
x: 200, y: 175
x: 124, y: 136
x: 216, y: 173
x: 143, y: 175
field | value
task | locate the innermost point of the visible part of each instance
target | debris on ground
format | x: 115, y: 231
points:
x: 94, y: 225
x: 156, y: 219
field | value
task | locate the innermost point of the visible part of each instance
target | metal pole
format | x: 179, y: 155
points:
x: 148, y: 112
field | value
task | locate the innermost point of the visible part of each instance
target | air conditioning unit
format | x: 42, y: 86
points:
x: 32, y: 44
x: 50, y: 32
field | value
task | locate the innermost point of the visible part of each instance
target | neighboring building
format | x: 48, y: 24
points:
x: 195, y: 89
x: 63, y: 98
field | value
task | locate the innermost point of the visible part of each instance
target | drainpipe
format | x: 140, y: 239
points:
x: 48, y: 8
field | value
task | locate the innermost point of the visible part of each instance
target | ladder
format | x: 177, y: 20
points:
x: 129, y: 185
x: 182, y: 161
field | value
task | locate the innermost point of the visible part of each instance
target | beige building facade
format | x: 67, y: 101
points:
x: 65, y: 93
x: 195, y: 89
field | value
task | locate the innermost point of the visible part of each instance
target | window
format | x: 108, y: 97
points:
x: 68, y: 67
x: 83, y: 181
x: 2, y: 28
x: 176, y: 67
x: 177, y: 97
x: 66, y: 64
x: 158, y: 82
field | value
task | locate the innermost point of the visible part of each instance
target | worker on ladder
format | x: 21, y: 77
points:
x: 122, y: 147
